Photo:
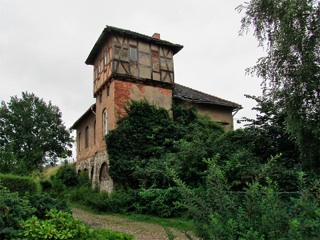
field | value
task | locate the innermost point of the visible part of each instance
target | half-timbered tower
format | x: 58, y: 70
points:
x: 129, y: 65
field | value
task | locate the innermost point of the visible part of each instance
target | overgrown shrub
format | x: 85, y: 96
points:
x: 159, y: 202
x: 244, y: 152
x: 124, y: 200
x: 86, y: 196
x: 58, y: 190
x: 46, y: 185
x: 154, y: 140
x: 67, y: 174
x: 19, y: 184
x: 257, y: 213
x: 44, y: 203
x: 57, y: 225
x: 13, y: 209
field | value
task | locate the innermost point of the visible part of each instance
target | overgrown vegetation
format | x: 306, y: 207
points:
x: 243, y: 184
x: 260, y: 211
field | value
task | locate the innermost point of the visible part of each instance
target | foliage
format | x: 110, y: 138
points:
x: 268, y: 130
x: 46, y: 185
x: 243, y: 153
x: 154, y: 140
x: 147, y: 132
x: 290, y: 71
x: 67, y: 175
x: 19, y: 184
x: 152, y: 201
x: 108, y: 234
x: 13, y: 209
x: 32, y: 134
x: 57, y: 225
x: 84, y: 195
x: 260, y: 212
x: 43, y: 203
x: 58, y: 189
x: 159, y: 202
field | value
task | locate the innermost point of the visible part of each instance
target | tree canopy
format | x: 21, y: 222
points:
x: 290, y: 32
x: 32, y: 134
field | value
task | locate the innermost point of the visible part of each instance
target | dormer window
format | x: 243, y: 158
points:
x: 133, y: 53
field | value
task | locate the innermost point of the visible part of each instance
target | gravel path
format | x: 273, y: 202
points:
x: 141, y: 230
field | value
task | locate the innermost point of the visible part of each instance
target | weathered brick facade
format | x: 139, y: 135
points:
x: 132, y: 66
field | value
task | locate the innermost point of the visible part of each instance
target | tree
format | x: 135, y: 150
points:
x: 290, y: 31
x: 32, y: 134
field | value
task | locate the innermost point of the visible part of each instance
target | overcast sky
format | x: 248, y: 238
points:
x: 44, y: 43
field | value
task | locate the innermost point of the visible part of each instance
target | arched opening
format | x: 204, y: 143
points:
x: 103, y: 176
x: 91, y: 174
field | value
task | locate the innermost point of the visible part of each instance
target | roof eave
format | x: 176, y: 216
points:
x: 90, y: 110
x: 109, y: 29
x: 235, y: 106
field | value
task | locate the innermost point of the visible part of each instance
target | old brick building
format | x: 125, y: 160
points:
x: 128, y: 65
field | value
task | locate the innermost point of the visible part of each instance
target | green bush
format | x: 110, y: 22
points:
x: 108, y: 234
x: 19, y: 184
x: 159, y: 202
x: 154, y: 140
x: 84, y: 195
x: 43, y: 203
x: 124, y: 200
x: 67, y: 175
x: 259, y: 212
x: 46, y: 185
x: 13, y: 209
x: 58, y: 190
x: 57, y: 225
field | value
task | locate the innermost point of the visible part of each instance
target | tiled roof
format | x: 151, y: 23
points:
x: 113, y: 30
x: 194, y: 96
x: 183, y: 93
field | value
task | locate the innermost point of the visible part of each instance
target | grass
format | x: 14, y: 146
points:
x: 49, y: 171
x: 177, y: 223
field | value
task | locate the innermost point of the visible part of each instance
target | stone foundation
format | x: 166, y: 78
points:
x: 97, y: 168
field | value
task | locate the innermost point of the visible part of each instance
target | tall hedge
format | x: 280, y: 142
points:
x: 18, y: 184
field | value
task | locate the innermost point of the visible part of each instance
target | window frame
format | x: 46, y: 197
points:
x: 133, y: 53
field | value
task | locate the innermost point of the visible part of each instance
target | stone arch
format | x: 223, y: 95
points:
x: 103, y: 176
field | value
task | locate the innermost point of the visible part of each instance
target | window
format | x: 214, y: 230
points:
x: 99, y: 68
x: 133, y: 54
x: 105, y: 58
x: 108, y: 91
x: 100, y: 97
x: 104, y: 122
x: 87, y: 137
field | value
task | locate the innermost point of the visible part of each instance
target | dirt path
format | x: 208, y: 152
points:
x: 141, y: 230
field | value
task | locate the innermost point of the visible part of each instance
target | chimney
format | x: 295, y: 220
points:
x: 156, y: 35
